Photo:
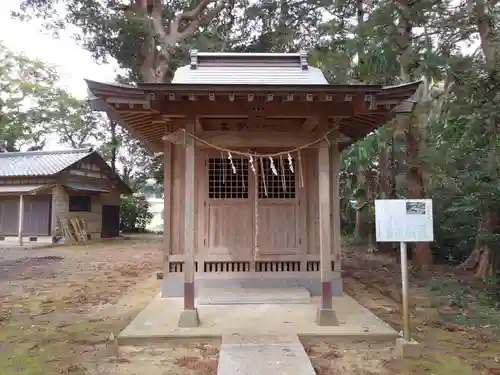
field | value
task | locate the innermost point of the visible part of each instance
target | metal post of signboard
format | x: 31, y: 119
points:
x: 405, y: 292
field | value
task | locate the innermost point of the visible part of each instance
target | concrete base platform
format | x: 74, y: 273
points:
x: 248, y: 296
x: 408, y: 349
x: 326, y: 317
x: 189, y: 318
x: 159, y: 321
x: 262, y: 355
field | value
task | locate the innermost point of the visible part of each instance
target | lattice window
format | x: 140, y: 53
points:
x: 223, y: 183
x: 280, y: 185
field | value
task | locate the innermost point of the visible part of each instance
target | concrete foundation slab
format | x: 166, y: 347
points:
x: 407, y: 349
x: 159, y: 321
x: 246, y: 296
x: 263, y: 355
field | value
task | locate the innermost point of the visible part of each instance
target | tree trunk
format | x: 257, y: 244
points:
x: 372, y: 246
x: 361, y: 40
x: 371, y: 177
x: 392, y: 169
x: 358, y: 223
x: 482, y: 259
x: 114, y: 145
x: 160, y: 40
x: 422, y: 255
x: 387, y: 183
x: 421, y: 251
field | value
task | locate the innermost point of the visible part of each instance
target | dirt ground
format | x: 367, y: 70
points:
x: 174, y: 358
x: 456, y: 324
x: 61, y: 309
x: 334, y: 357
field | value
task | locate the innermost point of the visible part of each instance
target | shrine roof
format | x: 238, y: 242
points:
x: 250, y: 86
x: 249, y: 68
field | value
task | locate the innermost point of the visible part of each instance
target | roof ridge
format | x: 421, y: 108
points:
x: 47, y: 152
x: 250, y: 54
x: 217, y: 58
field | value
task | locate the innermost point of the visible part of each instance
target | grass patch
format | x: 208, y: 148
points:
x: 353, y: 241
x: 439, y: 365
x: 22, y: 360
x: 459, y: 304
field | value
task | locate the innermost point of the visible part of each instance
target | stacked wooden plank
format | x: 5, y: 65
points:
x: 74, y: 229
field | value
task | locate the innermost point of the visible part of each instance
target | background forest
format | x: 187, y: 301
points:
x: 447, y: 149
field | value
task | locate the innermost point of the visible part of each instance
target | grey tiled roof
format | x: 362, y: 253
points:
x: 248, y: 68
x: 39, y: 163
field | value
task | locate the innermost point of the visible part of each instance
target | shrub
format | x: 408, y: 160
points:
x: 134, y: 214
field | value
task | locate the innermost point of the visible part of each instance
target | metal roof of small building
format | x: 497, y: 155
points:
x: 17, y: 189
x: 39, y: 163
x: 249, y: 68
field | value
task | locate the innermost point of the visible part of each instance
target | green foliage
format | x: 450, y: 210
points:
x: 134, y: 213
x: 75, y: 123
x: 29, y: 102
x: 347, y: 216
x: 455, y: 226
x: 464, y: 153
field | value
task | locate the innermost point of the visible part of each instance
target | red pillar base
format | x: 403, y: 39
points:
x: 326, y: 295
x: 325, y: 315
x: 189, y: 316
x: 188, y: 296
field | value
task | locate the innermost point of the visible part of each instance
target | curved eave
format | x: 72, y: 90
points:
x: 143, y: 89
x: 355, y: 128
x: 125, y: 93
x: 142, y: 125
x: 359, y: 126
x: 128, y: 122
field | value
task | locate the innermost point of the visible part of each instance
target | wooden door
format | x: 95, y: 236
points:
x: 37, y: 214
x: 9, y: 215
x: 228, y: 207
x: 278, y: 211
x: 36, y: 217
x: 110, y: 221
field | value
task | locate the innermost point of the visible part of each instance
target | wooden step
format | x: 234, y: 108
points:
x: 247, y: 296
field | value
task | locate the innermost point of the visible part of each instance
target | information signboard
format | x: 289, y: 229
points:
x: 404, y: 220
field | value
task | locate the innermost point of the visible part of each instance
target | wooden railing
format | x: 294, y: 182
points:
x: 249, y: 266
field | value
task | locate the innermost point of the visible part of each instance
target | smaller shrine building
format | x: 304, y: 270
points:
x: 251, y: 147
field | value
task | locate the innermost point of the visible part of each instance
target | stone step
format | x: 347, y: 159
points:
x: 247, y: 296
x: 263, y: 355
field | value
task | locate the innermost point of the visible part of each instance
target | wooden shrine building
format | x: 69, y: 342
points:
x: 251, y: 146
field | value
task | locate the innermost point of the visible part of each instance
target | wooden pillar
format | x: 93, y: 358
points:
x: 335, y: 157
x: 326, y: 315
x: 189, y: 317
x: 21, y: 219
x: 167, y: 206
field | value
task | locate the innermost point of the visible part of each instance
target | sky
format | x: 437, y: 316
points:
x: 73, y: 62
